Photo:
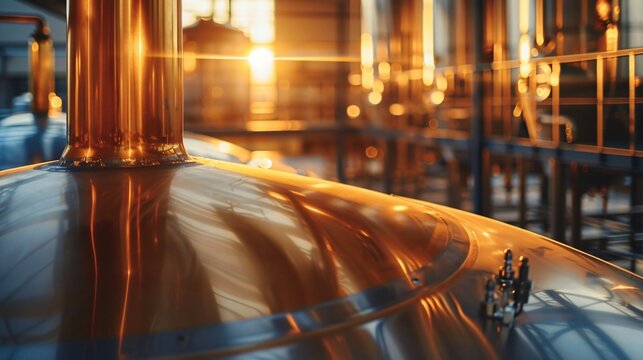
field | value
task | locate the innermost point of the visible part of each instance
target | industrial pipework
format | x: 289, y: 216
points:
x: 41, y: 58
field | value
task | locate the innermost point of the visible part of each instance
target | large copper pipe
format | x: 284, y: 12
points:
x: 41, y: 62
x: 126, y: 83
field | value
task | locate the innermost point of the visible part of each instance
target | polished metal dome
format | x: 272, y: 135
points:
x: 212, y: 258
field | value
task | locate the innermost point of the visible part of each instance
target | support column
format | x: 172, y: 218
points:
x: 522, y: 192
x: 390, y: 164
x: 576, y: 220
x: 343, y: 69
x: 557, y: 200
x: 476, y: 137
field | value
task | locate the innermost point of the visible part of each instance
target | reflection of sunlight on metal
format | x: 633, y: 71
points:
x: 543, y: 81
x: 125, y: 99
x: 397, y: 109
x: 603, y: 9
x: 262, y: 91
x: 367, y: 50
x: 191, y: 10
x: 611, y: 44
x: 128, y: 260
x: 525, y: 55
x: 517, y: 112
x: 374, y: 97
x: 256, y: 18
x: 428, y: 71
x: 221, y: 11
x: 368, y: 77
x: 353, y: 111
x: 378, y: 86
x: 320, y: 58
x: 55, y: 104
x: 367, y: 54
x: 436, y: 97
x: 355, y: 79
x: 384, y: 70
x: 189, y: 61
x: 274, y: 125
x: 262, y: 65
x: 400, y: 208
x: 371, y: 152
x: 441, y: 82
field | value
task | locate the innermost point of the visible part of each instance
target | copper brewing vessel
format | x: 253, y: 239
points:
x: 127, y: 248
x: 36, y: 136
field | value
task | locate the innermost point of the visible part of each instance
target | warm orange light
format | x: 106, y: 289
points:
x: 367, y: 50
x: 543, y: 79
x: 378, y: 86
x: 540, y: 24
x: 525, y: 55
x: 554, y: 79
x: 441, y: 83
x: 189, y: 61
x: 397, y: 109
x: 523, y: 16
x: 221, y: 11
x: 611, y: 37
x: 262, y: 65
x: 384, y: 70
x: 436, y: 97
x: 428, y: 72
x: 517, y: 110
x: 603, y: 9
x: 524, y: 47
x: 371, y: 152
x: 374, y: 97
x: 400, y: 208
x: 256, y: 18
x: 353, y: 111
x: 355, y: 79
x: 368, y: 77
x: 274, y: 125
x: 522, y: 86
x: 55, y: 102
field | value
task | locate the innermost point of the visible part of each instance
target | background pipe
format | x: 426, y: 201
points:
x: 41, y: 59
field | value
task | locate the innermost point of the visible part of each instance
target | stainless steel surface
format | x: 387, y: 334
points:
x: 28, y: 138
x: 167, y: 261
x: 215, y: 149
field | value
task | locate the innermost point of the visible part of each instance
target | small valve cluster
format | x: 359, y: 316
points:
x: 514, y: 292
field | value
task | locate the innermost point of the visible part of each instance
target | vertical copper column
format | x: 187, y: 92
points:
x: 41, y: 56
x: 125, y: 83
x: 41, y: 62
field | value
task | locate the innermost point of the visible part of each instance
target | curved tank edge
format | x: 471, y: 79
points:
x: 372, y: 304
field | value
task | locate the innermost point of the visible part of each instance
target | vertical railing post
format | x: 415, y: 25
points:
x: 522, y: 191
x: 576, y: 219
x: 636, y: 218
x: 476, y: 137
x: 340, y: 89
x: 557, y: 199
